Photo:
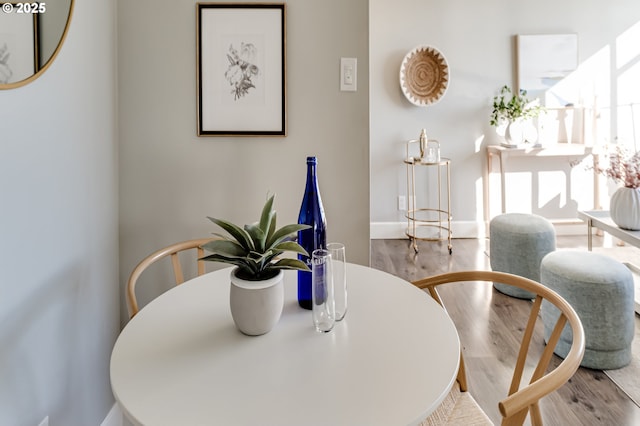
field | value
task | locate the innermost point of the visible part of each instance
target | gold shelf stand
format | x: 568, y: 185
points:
x: 443, y: 221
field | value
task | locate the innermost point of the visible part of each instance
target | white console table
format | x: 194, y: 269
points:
x: 541, y: 152
x: 602, y: 220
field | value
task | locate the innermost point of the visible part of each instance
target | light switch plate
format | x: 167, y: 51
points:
x: 348, y: 74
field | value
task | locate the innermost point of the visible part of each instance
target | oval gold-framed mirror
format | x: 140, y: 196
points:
x: 31, y: 35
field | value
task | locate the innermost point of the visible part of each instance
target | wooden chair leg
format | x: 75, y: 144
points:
x: 462, y: 375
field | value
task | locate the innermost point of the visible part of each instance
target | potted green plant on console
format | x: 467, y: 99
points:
x: 512, y: 114
x: 257, y: 294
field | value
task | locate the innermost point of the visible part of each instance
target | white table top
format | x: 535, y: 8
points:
x: 602, y: 219
x: 552, y: 150
x: 391, y: 361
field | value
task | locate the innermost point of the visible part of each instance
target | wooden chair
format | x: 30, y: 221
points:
x: 460, y: 407
x: 172, y: 251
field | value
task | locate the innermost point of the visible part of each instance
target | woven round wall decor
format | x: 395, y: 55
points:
x: 424, y: 76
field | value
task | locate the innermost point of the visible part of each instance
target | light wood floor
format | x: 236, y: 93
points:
x: 590, y: 397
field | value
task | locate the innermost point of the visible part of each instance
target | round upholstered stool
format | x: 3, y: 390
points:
x: 600, y: 289
x: 517, y: 244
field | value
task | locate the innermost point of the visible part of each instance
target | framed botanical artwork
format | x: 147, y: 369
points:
x: 241, y: 69
x: 18, y: 45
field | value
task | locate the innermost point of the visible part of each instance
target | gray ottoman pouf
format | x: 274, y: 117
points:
x: 517, y: 244
x: 600, y: 289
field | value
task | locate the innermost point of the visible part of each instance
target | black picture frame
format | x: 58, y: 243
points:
x: 241, y: 69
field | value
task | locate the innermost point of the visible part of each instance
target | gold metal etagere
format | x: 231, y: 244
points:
x: 429, y: 222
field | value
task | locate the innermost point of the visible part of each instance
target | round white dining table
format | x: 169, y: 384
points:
x: 390, y: 361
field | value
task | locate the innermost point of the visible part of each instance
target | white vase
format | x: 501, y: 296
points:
x: 514, y: 133
x: 256, y: 306
x: 625, y: 208
x: 520, y: 131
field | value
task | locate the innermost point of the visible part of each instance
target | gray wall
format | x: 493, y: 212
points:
x: 58, y: 226
x: 476, y: 39
x: 170, y: 179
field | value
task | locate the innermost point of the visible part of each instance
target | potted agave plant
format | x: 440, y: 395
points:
x: 257, y: 294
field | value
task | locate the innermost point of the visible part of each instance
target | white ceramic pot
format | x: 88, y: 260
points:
x: 514, y: 133
x: 520, y: 131
x: 625, y: 208
x: 256, y: 306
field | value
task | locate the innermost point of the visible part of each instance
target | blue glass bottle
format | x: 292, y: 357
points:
x: 311, y: 213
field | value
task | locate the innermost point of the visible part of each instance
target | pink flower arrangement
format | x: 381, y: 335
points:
x: 623, y: 167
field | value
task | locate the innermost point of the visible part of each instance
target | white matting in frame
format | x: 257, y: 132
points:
x: 241, y: 69
x: 17, y: 46
x: 544, y: 60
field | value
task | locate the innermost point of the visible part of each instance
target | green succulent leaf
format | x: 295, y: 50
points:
x: 222, y: 236
x: 287, y: 263
x: 267, y: 214
x: 291, y: 246
x: 257, y: 235
x: 272, y: 254
x: 267, y: 260
x: 272, y: 226
x: 243, y: 238
x: 242, y: 263
x: 284, y: 232
x: 226, y: 248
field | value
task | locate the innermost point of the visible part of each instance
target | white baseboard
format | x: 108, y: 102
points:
x: 466, y: 229
x: 114, y: 417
